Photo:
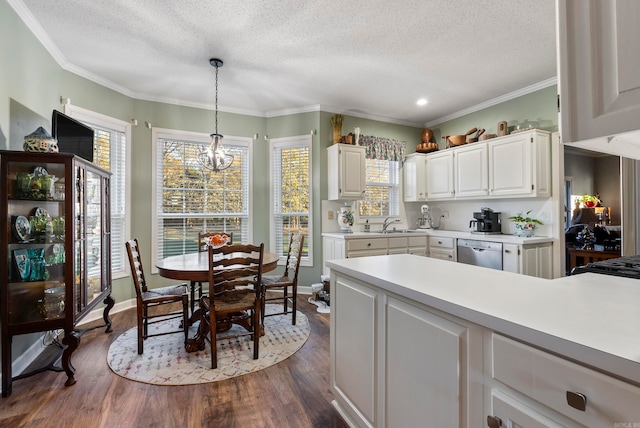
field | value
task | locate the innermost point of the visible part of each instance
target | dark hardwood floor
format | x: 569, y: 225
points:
x: 293, y: 393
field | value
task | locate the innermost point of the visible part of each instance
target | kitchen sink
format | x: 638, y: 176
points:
x: 402, y: 231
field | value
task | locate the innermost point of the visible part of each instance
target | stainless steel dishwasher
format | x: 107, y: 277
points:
x: 480, y: 253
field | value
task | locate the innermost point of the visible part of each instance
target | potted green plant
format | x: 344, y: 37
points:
x: 525, y: 225
x: 589, y: 201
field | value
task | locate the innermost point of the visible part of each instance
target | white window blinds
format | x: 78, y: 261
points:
x: 382, y: 189
x: 291, y: 193
x: 190, y: 198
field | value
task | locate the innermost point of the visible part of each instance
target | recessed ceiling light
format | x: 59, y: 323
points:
x: 421, y: 102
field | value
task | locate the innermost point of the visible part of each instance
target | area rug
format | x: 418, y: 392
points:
x: 166, y: 362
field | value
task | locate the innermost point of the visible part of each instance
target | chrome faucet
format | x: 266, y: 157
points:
x: 386, y: 223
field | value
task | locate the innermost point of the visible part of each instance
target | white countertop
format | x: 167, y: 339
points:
x: 512, y: 239
x: 590, y: 318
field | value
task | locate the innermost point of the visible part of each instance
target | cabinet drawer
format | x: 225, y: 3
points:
x: 417, y: 241
x: 366, y: 244
x: 549, y: 379
x: 398, y: 242
x: 439, y: 242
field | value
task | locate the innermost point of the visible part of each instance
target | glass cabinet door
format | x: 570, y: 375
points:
x: 94, y: 237
x: 36, y: 287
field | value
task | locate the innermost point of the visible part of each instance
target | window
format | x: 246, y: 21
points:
x: 291, y: 194
x: 111, y: 150
x: 382, y: 189
x: 189, y: 198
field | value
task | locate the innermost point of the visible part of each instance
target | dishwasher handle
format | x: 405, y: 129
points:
x: 480, y: 245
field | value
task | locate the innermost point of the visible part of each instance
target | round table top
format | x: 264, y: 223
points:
x: 195, y: 266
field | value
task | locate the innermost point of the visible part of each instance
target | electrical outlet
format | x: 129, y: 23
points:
x: 330, y: 215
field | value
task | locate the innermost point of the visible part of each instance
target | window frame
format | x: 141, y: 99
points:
x: 290, y: 142
x: 94, y: 119
x: 194, y: 137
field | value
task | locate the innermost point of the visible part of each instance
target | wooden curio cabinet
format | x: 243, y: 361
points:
x: 55, y: 249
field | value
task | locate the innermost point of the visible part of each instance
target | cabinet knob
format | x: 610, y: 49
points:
x: 494, y: 422
x: 507, y: 251
x: 368, y: 244
x: 577, y: 400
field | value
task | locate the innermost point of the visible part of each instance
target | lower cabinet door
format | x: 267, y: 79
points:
x: 424, y: 368
x: 508, y: 412
x: 441, y: 254
x: 354, y: 350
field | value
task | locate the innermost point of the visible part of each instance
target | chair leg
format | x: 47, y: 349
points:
x: 285, y: 298
x: 141, y: 327
x: 212, y: 333
x: 263, y: 304
x: 256, y: 330
x: 192, y: 289
x: 294, y: 305
x: 185, y: 316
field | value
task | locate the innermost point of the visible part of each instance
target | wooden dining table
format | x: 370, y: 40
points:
x: 194, y: 267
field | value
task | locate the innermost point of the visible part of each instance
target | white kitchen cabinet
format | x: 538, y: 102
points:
x: 415, y: 184
x: 528, y: 259
x: 513, y: 166
x: 430, y: 385
x: 417, y: 245
x: 366, y: 247
x: 471, y: 169
x: 520, y: 165
x: 552, y: 391
x: 355, y: 359
x: 397, y: 245
x: 345, y: 172
x: 377, y: 383
x: 439, y: 175
x: 332, y: 248
x: 599, y: 69
x: 442, y: 248
x: 508, y: 412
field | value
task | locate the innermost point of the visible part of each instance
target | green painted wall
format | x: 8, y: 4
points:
x: 541, y: 106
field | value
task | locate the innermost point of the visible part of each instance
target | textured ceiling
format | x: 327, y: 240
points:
x: 365, y: 58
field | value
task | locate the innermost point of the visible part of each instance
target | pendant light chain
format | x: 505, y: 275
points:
x: 217, y: 98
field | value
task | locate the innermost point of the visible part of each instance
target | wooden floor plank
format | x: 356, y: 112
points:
x: 293, y: 393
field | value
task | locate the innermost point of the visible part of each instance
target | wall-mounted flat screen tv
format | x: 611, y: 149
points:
x: 73, y: 136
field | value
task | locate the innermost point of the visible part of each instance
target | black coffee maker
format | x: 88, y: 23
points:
x: 486, y: 221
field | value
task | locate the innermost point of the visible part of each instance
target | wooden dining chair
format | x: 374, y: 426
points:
x: 202, y: 248
x: 288, y: 280
x: 148, y: 298
x: 235, y: 274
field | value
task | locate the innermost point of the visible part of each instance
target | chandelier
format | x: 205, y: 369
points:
x: 215, y: 157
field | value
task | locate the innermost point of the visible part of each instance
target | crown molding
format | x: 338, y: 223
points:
x: 507, y: 97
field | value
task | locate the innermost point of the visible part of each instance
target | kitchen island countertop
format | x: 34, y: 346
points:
x: 590, y: 318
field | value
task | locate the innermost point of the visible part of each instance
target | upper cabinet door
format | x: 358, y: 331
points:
x: 510, y: 166
x: 346, y: 171
x: 471, y: 171
x: 599, y: 69
x: 414, y: 178
x: 439, y: 175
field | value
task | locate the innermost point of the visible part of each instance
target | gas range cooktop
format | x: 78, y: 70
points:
x: 628, y: 267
